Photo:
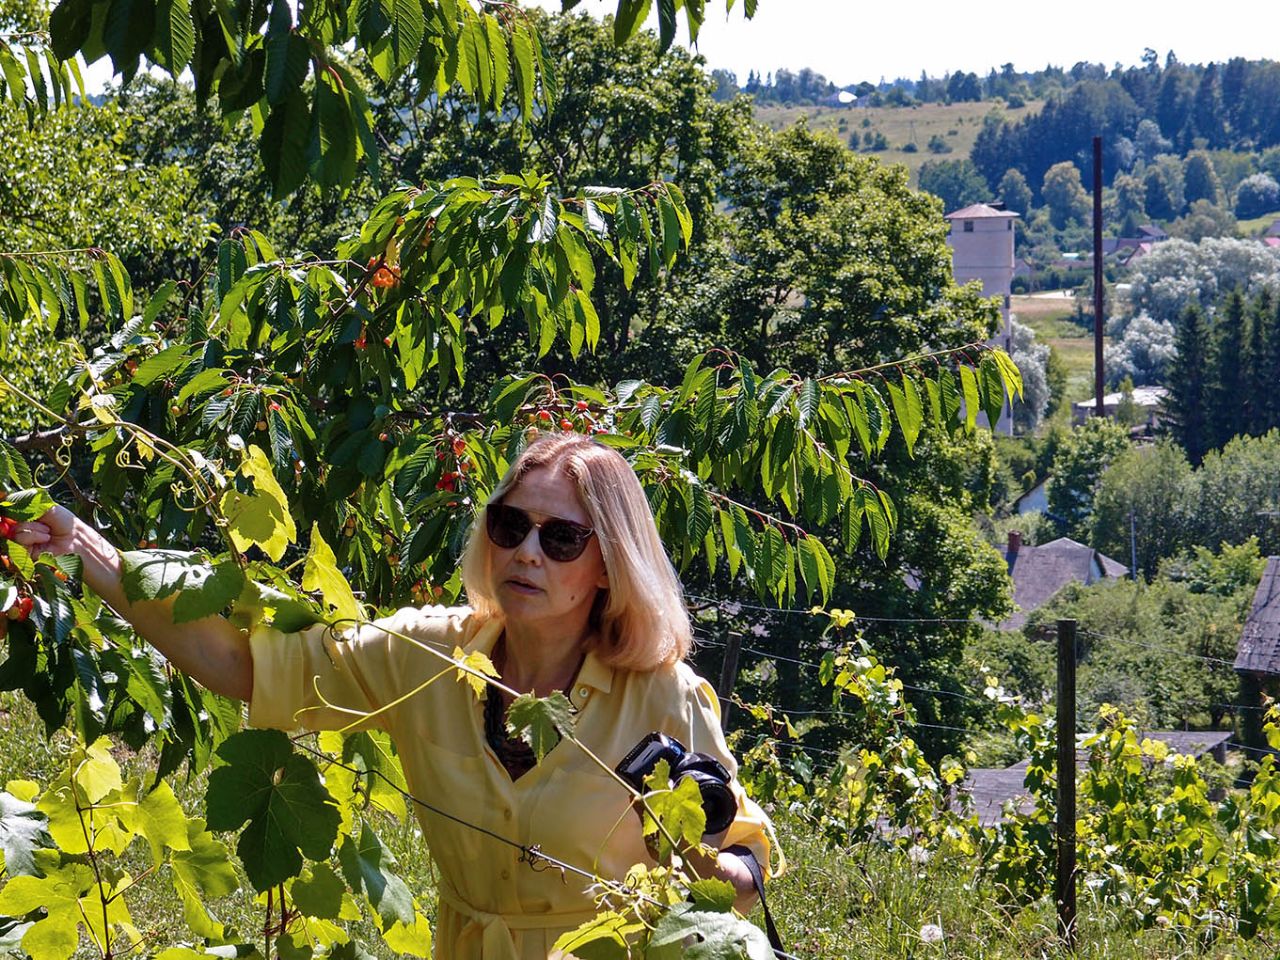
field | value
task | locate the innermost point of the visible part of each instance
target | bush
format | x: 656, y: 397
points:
x: 938, y: 145
x: 910, y: 147
x: 1257, y: 195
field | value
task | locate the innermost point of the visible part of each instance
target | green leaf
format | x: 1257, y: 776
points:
x: 162, y: 823
x: 522, y: 52
x: 321, y: 573
x: 202, y: 873
x: 686, y: 933
x: 279, y: 794
x: 162, y: 296
x: 288, y: 55
x: 29, y: 504
x: 631, y: 14
x: 712, y: 894
x: 367, y: 866
x: 318, y: 892
x: 678, y: 809
x: 175, y: 38
x: 23, y: 830
x: 57, y: 935
x: 809, y: 398
x: 992, y: 386
x: 909, y: 410
x: 540, y: 721
x: 603, y: 937
x: 284, y: 141
x: 260, y: 518
x: 407, y: 26
x: 969, y: 383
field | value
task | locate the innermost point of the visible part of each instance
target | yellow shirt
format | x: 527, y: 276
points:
x: 492, y: 906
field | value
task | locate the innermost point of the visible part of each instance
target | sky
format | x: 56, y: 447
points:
x: 849, y: 41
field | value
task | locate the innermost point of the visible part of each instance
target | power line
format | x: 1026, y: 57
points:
x: 740, y: 605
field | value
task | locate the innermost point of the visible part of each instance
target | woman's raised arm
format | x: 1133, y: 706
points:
x: 210, y: 650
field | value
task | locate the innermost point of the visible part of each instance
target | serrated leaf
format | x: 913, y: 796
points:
x: 476, y: 662
x: 260, y: 518
x: 685, y: 933
x: 969, y: 385
x: 603, y: 937
x: 367, y: 864
x: 23, y: 830
x: 540, y: 721
x: 202, y: 873
x: 161, y: 821
x: 909, y: 410
x: 321, y: 573
x: 712, y: 894
x: 279, y: 795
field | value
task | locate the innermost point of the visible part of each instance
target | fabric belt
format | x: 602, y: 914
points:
x: 495, y: 929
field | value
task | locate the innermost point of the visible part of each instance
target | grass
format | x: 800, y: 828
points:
x: 834, y: 903
x: 1050, y: 318
x: 958, y: 124
x: 1250, y: 228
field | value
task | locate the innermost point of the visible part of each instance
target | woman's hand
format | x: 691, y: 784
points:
x: 55, y: 532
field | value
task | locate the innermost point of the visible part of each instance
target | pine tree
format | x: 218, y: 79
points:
x: 1270, y: 373
x: 1185, y: 406
x: 1226, y: 374
x: 1259, y: 378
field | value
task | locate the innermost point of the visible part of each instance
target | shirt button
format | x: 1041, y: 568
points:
x: 584, y: 692
x: 506, y: 874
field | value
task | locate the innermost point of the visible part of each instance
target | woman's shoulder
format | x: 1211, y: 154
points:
x: 435, y: 624
x: 678, y: 680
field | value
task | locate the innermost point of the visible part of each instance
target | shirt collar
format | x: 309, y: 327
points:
x: 595, y: 673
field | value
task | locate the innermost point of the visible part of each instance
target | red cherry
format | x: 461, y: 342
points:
x: 544, y: 416
x: 581, y: 405
x: 386, y: 341
x: 8, y: 527
x: 459, y: 446
x: 274, y: 406
x: 21, y: 609
x: 382, y: 437
x: 566, y: 424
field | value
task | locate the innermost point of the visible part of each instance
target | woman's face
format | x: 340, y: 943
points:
x: 527, y: 585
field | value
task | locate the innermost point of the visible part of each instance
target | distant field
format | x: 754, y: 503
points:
x: 958, y: 124
x: 1249, y: 228
x: 1050, y: 317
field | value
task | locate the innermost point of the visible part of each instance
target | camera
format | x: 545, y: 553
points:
x: 708, y: 773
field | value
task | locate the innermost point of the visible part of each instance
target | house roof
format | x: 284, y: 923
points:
x: 1040, y: 572
x: 1151, y: 230
x: 978, y: 211
x: 1274, y: 229
x: 1259, y: 650
x: 1144, y: 397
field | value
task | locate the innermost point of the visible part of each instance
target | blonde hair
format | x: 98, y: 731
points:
x: 640, y: 621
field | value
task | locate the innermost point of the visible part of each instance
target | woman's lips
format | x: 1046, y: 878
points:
x: 521, y: 586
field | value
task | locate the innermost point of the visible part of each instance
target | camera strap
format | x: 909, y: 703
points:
x: 757, y: 876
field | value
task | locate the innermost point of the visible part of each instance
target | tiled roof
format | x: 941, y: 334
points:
x: 1259, y: 650
x: 1040, y: 572
x: 977, y: 211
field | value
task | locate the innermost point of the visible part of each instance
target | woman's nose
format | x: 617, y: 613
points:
x: 529, y: 550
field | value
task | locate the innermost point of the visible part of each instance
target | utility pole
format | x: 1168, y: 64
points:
x: 1098, y: 380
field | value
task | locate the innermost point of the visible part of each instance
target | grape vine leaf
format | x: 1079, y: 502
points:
x: 321, y: 573
x: 475, y: 662
x: 712, y: 894
x: 61, y: 894
x: 23, y: 830
x: 367, y: 864
x: 603, y: 937
x: 540, y: 721
x: 202, y: 873
x: 679, y: 810
x: 686, y: 933
x: 161, y: 821
x: 279, y: 794
x: 318, y: 892
x: 260, y: 518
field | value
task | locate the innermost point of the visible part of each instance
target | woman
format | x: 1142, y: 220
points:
x: 570, y: 590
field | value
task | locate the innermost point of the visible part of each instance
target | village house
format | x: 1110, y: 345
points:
x: 1040, y: 572
x: 1258, y: 655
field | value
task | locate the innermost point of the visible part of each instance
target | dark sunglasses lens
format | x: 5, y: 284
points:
x: 563, y: 541
x: 507, y: 526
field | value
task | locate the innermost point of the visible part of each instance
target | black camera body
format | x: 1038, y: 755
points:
x: 708, y: 773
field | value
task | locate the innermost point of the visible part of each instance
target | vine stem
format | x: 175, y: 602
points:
x: 160, y: 446
x: 105, y: 946
x: 915, y: 358
x: 499, y: 685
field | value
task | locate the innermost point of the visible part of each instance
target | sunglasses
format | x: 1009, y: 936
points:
x: 561, y: 540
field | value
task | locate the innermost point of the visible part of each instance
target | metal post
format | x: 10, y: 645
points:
x: 1098, y: 380
x: 1065, y: 826
x: 728, y: 674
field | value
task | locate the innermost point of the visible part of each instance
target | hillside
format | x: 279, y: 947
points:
x: 957, y: 123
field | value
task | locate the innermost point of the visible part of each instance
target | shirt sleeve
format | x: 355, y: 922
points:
x: 751, y: 827
x: 325, y: 679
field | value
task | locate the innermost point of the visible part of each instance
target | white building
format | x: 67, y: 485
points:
x: 981, y: 242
